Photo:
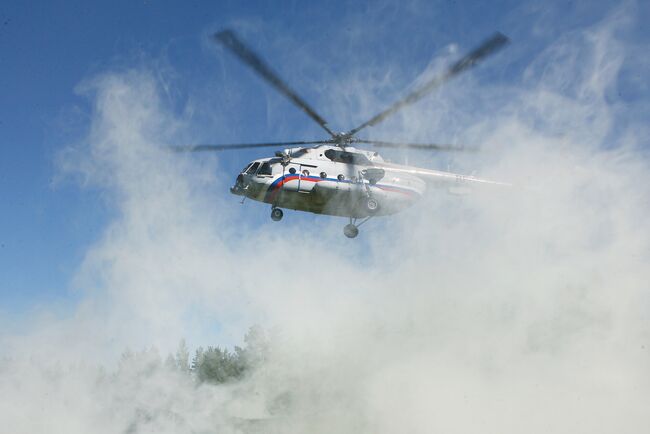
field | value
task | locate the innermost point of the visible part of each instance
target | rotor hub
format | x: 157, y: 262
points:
x: 343, y: 139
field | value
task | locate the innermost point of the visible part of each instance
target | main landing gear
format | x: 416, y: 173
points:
x: 351, y: 230
x: 370, y: 205
x: 276, y: 214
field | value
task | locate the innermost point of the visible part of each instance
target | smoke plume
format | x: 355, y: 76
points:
x: 506, y: 311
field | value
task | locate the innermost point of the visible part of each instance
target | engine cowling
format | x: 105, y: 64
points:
x: 373, y: 174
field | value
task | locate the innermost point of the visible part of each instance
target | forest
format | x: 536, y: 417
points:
x: 214, y: 364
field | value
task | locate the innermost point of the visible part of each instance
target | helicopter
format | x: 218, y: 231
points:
x: 331, y: 176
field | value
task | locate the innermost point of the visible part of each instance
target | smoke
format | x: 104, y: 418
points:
x: 523, y: 310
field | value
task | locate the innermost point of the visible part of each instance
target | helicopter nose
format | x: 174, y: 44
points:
x: 238, y: 188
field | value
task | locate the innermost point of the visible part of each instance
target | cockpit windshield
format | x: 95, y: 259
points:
x: 265, y: 170
x: 253, y: 168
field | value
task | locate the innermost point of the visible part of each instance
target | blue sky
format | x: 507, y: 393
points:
x: 49, y: 48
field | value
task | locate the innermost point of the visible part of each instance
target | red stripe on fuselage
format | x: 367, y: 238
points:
x: 397, y: 190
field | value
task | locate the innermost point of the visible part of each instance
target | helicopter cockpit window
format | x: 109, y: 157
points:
x: 265, y: 170
x: 253, y: 167
x: 347, y: 157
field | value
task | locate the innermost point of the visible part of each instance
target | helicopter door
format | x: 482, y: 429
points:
x: 292, y: 170
x: 305, y: 172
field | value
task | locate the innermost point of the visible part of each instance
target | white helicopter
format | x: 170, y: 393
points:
x: 332, y: 177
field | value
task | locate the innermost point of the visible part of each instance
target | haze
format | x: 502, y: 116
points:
x: 505, y: 311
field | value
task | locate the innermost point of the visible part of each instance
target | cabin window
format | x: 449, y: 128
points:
x: 265, y: 170
x: 305, y: 172
x: 253, y: 167
x: 292, y: 170
x: 341, y: 177
x: 323, y: 175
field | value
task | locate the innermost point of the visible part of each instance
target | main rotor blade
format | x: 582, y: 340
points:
x: 427, y: 146
x: 491, y: 45
x: 236, y: 146
x: 230, y: 41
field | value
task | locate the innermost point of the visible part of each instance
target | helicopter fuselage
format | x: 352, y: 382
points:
x: 330, y: 180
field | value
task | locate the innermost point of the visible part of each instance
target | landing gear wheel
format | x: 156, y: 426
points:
x: 350, y: 231
x: 276, y: 214
x: 371, y: 205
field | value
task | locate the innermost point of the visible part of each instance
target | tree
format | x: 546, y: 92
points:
x: 182, y: 359
x: 216, y: 365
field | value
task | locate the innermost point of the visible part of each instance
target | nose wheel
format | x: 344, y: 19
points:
x: 276, y: 214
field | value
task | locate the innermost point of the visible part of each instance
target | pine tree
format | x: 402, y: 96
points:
x: 216, y: 365
x: 182, y: 357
